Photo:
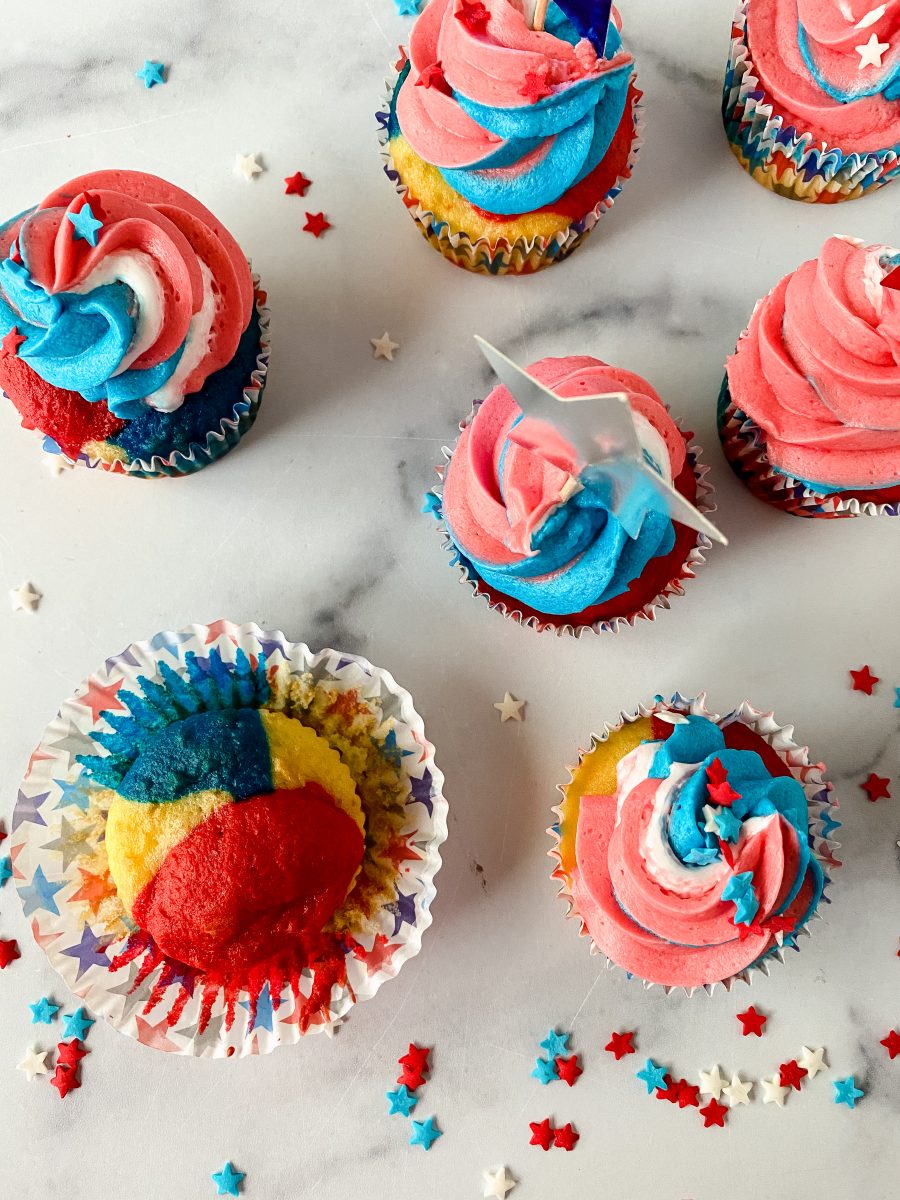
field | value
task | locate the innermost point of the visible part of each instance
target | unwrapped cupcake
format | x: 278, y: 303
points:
x: 508, y: 142
x: 812, y: 96
x: 692, y: 847
x: 809, y: 413
x: 133, y: 337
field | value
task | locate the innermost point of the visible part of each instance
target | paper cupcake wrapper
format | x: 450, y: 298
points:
x: 482, y: 256
x: 508, y: 607
x: 55, y: 831
x: 781, y: 157
x: 820, y: 799
x: 744, y: 445
x: 218, y: 441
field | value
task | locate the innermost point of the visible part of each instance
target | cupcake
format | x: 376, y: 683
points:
x: 507, y: 142
x: 692, y: 847
x: 250, y: 834
x: 557, y: 545
x: 809, y: 412
x: 812, y: 96
x: 133, y: 337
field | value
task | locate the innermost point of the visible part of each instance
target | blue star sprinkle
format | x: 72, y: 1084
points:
x: 43, y: 1013
x: 846, y: 1091
x: 5, y: 869
x: 402, y: 1101
x: 556, y: 1043
x: 701, y: 858
x: 86, y: 224
x: 739, y: 888
x: 653, y: 1076
x: 425, y: 1133
x: 738, y: 885
x: 407, y: 8
x: 227, y: 1181
x: 545, y: 1071
x: 897, y: 701
x: 728, y: 825
x: 152, y: 73
x: 76, y: 1025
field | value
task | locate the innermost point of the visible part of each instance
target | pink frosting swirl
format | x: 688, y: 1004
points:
x: 818, y: 369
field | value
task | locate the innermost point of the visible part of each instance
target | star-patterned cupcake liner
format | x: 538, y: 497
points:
x: 821, y: 802
x: 58, y: 856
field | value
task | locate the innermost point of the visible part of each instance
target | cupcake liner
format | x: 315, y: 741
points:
x: 820, y: 799
x: 524, y: 256
x: 744, y: 446
x: 77, y: 919
x: 218, y: 441
x: 508, y: 607
x: 781, y: 157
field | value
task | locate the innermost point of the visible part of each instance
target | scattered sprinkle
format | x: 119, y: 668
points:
x: 541, y: 1134
x: 752, y: 1021
x: 9, y: 952
x: 876, y: 788
x: 425, y: 1133
x: 654, y: 1077
x: 316, y: 224
x: 26, y: 598
x: 812, y: 1061
x: 497, y: 1184
x: 12, y: 341
x: 863, y: 680
x: 565, y: 1138
x: 714, y: 1113
x: 71, y: 1053
x: 720, y: 790
x: 228, y: 1181
x: 76, y: 1024
x: 620, y: 1044
x: 891, y: 1043
x: 383, y: 347
x: 556, y: 1043
x: 34, y: 1063
x: 791, y: 1074
x: 407, y: 8
x: 65, y: 1080
x: 43, y: 1013
x: 738, y: 1091
x: 711, y: 1083
x: 152, y: 73
x: 509, y: 708
x: 85, y: 225
x: 846, y: 1091
x: 545, y: 1071
x: 872, y: 52
x: 474, y: 15
x: 402, y: 1101
x: 248, y: 165
x: 297, y: 185
x: 773, y: 1092
x: 569, y: 1069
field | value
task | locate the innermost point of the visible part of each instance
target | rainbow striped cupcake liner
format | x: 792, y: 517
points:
x: 781, y: 157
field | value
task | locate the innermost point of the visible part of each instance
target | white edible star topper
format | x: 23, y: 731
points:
x: 602, y: 431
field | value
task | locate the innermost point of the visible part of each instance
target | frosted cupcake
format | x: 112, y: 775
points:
x: 812, y: 96
x: 536, y: 534
x: 693, y: 847
x: 132, y: 335
x: 809, y: 412
x: 507, y: 142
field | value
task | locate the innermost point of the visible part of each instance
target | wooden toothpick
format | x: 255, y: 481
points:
x: 540, y: 14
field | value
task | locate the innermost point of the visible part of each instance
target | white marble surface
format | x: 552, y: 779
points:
x: 312, y: 526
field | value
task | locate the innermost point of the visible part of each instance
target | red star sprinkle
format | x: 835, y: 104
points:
x: 876, y: 788
x: 65, y: 1080
x: 2, y: 834
x: 891, y: 1043
x: 416, y: 1058
x: 790, y: 1074
x: 316, y: 224
x: 864, y: 680
x: 720, y: 790
x: 688, y: 1094
x: 412, y: 1079
x: 752, y: 1021
x: 69, y: 1054
x: 713, y: 1113
x: 565, y: 1138
x: 541, y: 1134
x: 535, y: 86
x: 433, y: 77
x: 568, y: 1069
x: 297, y: 185
x: 8, y: 952
x: 670, y: 1091
x: 619, y: 1044
x: 12, y: 342
x: 473, y: 15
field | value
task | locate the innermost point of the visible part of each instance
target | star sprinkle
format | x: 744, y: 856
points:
x: 152, y: 73
x: 85, y: 225
x: 728, y: 826
x: 876, y: 788
x: 709, y: 816
x: 752, y: 1022
x: 71, y: 1053
x: 383, y: 347
x: 316, y: 224
x: 510, y: 709
x: 425, y: 1133
x: 76, y: 1024
x: 12, y: 341
x: 497, y: 1184
x: 9, y: 952
x: 556, y: 1043
x: 891, y: 1043
x: 416, y: 1059
x: 473, y: 15
x: 686, y: 1094
x: 846, y: 1091
x: 569, y: 1069
x: 65, y: 1080
x: 620, y: 1044
x: 228, y: 1181
x: 713, y: 1113
x: 535, y: 86
x: 864, y: 680
x: 872, y: 52
x: 43, y: 1013
x: 654, y: 1077
x: 541, y: 1134
x: 773, y: 1092
x: 701, y: 858
x: 407, y: 8
x: 545, y: 1071
x: 565, y: 1138
x: 297, y: 184
x: 670, y: 1091
x: 249, y: 166
x: 401, y: 1101
x: 720, y: 790
x: 433, y: 77
x: 738, y: 1091
x: 26, y: 598
x: 34, y: 1063
x: 812, y: 1061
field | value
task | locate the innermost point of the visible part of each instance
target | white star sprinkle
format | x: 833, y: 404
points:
x: 813, y: 1061
x: 383, y: 347
x: 509, y: 708
x: 738, y: 1091
x: 34, y: 1063
x: 25, y: 599
x: 773, y: 1092
x: 497, y: 1184
x: 248, y: 165
x: 711, y: 1083
x: 709, y: 813
x: 871, y: 54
